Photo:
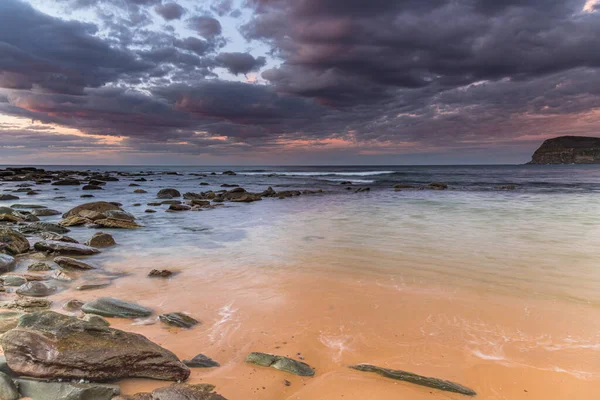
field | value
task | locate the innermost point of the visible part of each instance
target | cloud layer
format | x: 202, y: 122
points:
x: 311, y: 78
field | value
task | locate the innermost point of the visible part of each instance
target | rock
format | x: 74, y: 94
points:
x: 229, y: 173
x: 74, y: 220
x: 139, y: 191
x: 94, y: 284
x: 178, y: 207
x: 86, y: 196
x: 43, y: 390
x: 8, y: 390
x: 51, y: 345
x: 247, y: 198
x: 200, y: 203
x: 71, y: 263
x: 279, y: 362
x: 568, y: 150
x: 57, y: 236
x: 507, y: 187
x: 182, y: 391
x: 28, y: 206
x: 4, y: 197
x: 178, y: 319
x: 90, y: 215
x: 111, y: 307
x: 36, y: 289
x: 96, y: 182
x: 26, y: 304
x: 38, y: 227
x: 39, y: 267
x: 201, y: 361
x: 6, y: 263
x: 363, y: 189
x: 95, y: 319
x: 8, y: 321
x: 227, y: 185
x: 45, y: 212
x: 269, y: 192
x: 149, y: 211
x: 54, y: 246
x: 10, y: 218
x: 13, y: 280
x: 98, y: 206
x: 73, y: 305
x: 168, y: 193
x: 118, y: 214
x: 61, y: 276
x: 91, y: 187
x: 403, y: 186
x: 101, y: 239
x: 437, y: 186
x: 434, y: 383
x: 67, y: 182
x: 155, y: 273
x: 117, y: 223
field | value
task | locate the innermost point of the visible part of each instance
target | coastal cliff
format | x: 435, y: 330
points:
x: 568, y: 150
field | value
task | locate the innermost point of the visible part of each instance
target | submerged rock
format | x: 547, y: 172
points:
x: 51, y: 345
x: 281, y: 363
x: 36, y: 289
x: 67, y: 182
x: 437, y: 186
x: 8, y: 390
x: 54, y: 246
x: 44, y: 390
x: 178, y: 391
x: 94, y: 284
x: 434, y: 383
x: 26, y: 304
x: 117, y: 223
x: 4, y: 197
x: 6, y: 263
x: 178, y: 319
x: 201, y: 361
x: 38, y: 227
x: 39, y: 267
x: 101, y: 239
x: 111, y: 307
x: 71, y: 263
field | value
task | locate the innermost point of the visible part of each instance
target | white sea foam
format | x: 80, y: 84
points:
x: 221, y: 329
x: 338, y: 343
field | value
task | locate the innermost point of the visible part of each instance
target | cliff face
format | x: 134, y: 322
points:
x: 568, y: 150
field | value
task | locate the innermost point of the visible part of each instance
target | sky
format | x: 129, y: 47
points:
x: 294, y: 82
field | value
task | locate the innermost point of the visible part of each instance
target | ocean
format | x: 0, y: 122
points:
x: 494, y: 282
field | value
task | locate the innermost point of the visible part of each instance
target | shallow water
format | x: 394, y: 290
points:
x: 495, y: 289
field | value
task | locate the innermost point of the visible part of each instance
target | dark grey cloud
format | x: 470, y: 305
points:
x: 383, y: 76
x: 205, y: 26
x: 240, y: 63
x: 56, y: 55
x: 170, y: 11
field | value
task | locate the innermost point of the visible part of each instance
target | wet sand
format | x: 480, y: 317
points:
x: 501, y: 346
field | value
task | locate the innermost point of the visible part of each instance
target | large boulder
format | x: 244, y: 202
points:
x: 13, y: 242
x: 111, y: 307
x: 51, y: 345
x: 97, y: 206
x: 168, y: 193
x: 54, y: 246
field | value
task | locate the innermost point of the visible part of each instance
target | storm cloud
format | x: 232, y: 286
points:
x: 385, y: 77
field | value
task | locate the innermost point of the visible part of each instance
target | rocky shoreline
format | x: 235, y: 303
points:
x: 69, y: 351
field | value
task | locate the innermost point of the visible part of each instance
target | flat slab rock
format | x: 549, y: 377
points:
x: 51, y: 345
x: 71, y: 263
x: 111, y: 307
x: 65, y: 248
x: 178, y: 391
x: 43, y: 390
x: 281, y: 363
x: 179, y: 320
x: 433, y: 383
